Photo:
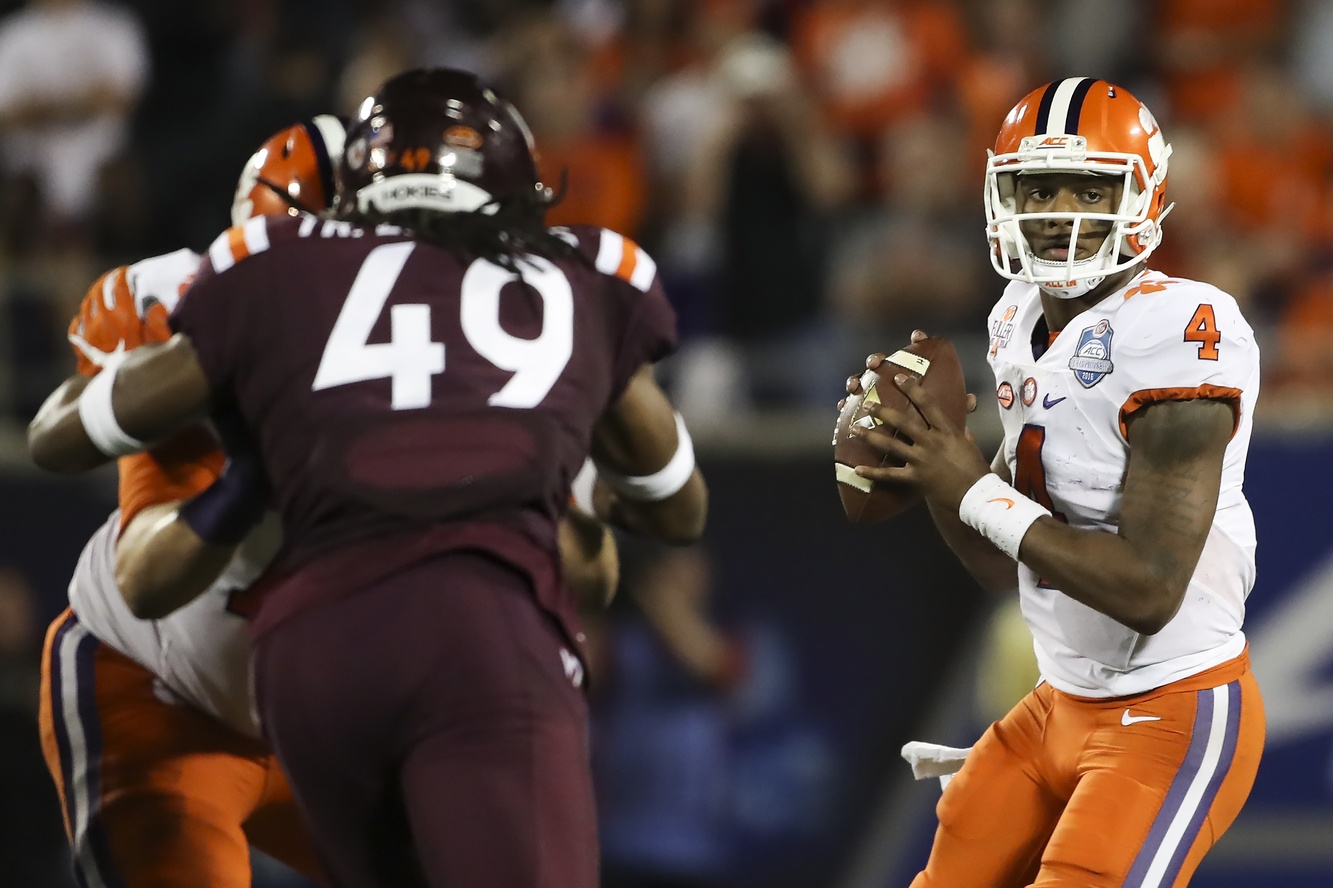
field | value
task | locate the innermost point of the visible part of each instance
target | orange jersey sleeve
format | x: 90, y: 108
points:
x: 175, y: 470
x: 109, y: 322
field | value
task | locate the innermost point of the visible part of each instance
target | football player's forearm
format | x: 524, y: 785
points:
x: 1101, y: 570
x: 160, y: 388
x: 677, y: 520
x: 1105, y: 571
x: 56, y: 439
x: 590, y: 559
x: 993, y: 570
x: 156, y: 390
x: 162, y: 564
x: 700, y: 647
x: 643, y: 453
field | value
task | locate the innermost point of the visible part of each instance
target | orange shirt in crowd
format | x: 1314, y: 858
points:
x: 606, y: 182
x: 874, y: 61
x: 986, y: 87
x: 1202, y: 44
x: 1269, y: 184
x: 1304, y: 357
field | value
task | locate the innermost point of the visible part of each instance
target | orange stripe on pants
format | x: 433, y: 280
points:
x: 46, y: 720
x: 1101, y: 793
x: 154, y: 793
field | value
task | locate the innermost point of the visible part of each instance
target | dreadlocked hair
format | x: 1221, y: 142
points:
x: 515, y: 229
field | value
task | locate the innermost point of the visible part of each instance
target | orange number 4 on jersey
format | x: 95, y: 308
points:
x: 1202, y: 329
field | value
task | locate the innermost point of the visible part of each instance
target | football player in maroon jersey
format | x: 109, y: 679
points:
x: 421, y: 379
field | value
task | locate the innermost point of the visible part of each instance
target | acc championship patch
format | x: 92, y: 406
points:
x: 1092, y: 356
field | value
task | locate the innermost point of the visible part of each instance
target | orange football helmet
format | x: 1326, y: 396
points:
x: 1078, y: 125
x: 292, y: 171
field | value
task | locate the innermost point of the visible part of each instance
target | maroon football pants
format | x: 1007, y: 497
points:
x: 432, y: 734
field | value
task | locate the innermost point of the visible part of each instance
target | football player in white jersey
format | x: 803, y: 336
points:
x: 1114, y: 506
x: 147, y: 725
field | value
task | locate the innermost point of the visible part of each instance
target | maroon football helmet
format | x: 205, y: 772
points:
x: 441, y: 140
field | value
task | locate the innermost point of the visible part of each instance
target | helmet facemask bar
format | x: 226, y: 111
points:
x: 1133, y: 234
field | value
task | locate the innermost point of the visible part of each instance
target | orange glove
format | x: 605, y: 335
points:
x: 108, y: 322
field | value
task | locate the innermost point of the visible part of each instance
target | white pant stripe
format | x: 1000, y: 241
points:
x: 77, y: 791
x: 1217, y: 731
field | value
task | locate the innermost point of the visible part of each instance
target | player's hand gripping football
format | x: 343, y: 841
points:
x: 108, y: 323
x: 938, y: 457
x: 873, y: 363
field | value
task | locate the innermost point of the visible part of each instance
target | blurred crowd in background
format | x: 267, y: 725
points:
x: 807, y: 174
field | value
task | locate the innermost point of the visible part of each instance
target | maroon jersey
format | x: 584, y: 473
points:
x: 408, y: 399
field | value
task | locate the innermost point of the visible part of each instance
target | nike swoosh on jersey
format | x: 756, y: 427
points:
x: 94, y: 354
x: 1048, y: 403
x: 1126, y: 719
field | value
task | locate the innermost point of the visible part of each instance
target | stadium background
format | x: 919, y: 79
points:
x: 807, y: 175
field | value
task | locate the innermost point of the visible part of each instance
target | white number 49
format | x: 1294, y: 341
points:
x: 410, y: 358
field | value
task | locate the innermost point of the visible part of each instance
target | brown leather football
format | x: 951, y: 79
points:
x: 935, y: 362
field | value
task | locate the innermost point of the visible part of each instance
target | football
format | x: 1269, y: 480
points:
x: 935, y: 362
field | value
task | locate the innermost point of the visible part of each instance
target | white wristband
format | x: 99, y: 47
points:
x: 999, y: 512
x: 662, y: 483
x: 580, y: 490
x: 99, y: 419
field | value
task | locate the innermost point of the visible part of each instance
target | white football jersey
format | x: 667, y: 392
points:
x: 200, y: 654
x: 161, y: 279
x: 1159, y: 338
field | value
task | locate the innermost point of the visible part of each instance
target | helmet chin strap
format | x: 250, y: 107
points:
x: 1079, y: 287
x: 1072, y: 289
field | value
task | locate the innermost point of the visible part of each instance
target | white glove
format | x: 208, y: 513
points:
x: 933, y: 760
